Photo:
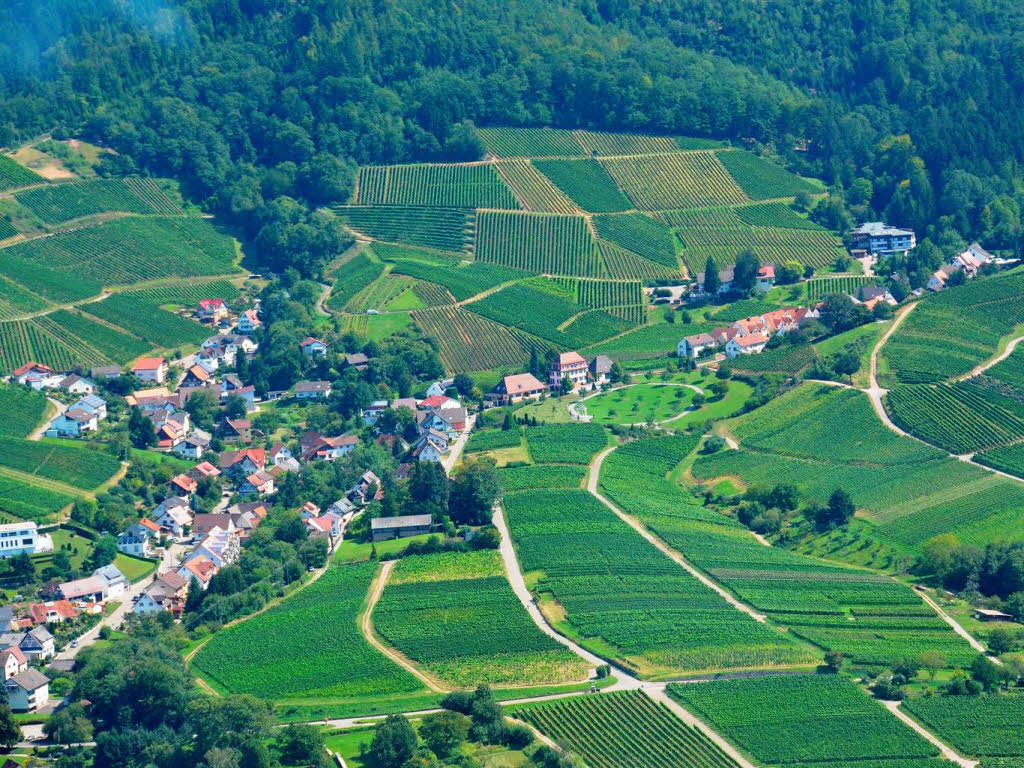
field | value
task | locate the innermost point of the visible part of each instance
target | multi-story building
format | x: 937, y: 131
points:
x: 568, y: 365
x: 18, y: 539
x: 876, y: 237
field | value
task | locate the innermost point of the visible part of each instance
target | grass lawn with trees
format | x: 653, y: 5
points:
x: 637, y: 403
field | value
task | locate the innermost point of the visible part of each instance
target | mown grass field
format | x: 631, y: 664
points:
x: 641, y: 403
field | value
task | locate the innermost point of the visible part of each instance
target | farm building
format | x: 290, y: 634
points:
x: 385, y: 528
x: 986, y: 614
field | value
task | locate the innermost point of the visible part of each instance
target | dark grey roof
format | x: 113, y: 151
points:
x: 404, y: 521
x: 31, y: 679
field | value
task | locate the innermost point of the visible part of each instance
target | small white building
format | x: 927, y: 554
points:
x: 19, y: 539
x: 751, y: 344
x: 27, y: 691
x: 692, y: 346
x: 152, y: 369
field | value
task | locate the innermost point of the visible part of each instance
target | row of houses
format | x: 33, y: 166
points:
x: 747, y: 336
x: 969, y: 262
x: 440, y: 419
x: 581, y: 373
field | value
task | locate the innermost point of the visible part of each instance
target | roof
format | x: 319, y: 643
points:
x: 337, y: 442
x: 521, y: 382
x: 257, y: 456
x: 767, y: 270
x: 110, y: 572
x: 698, y: 339
x: 312, y: 386
x: 106, y: 370
x: 201, y: 567
x: 879, y: 229
x: 751, y: 340
x: 211, y: 303
x: 148, y: 364
x: 403, y: 521
x: 238, y: 424
x: 992, y: 614
x: 199, y: 372
x: 601, y: 364
x: 309, y: 340
x: 90, y: 585
x: 31, y: 365
x: 570, y: 358
x: 435, y: 401
x: 173, y: 580
x: 14, y: 651
x: 31, y: 679
x: 149, y: 525
x: 206, y: 469
x: 357, y: 358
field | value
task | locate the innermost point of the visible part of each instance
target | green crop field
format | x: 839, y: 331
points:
x: 352, y: 277
x: 70, y: 464
x: 641, y: 235
x: 769, y: 718
x: 470, y: 342
x: 493, y: 440
x: 626, y: 598
x: 380, y: 293
x: 586, y: 182
x: 473, y: 185
x: 540, y: 476
x: 1010, y: 370
x: 911, y: 490
x: 13, y: 175
x: 7, y: 229
x: 1008, y: 458
x: 530, y: 142
x: 820, y: 287
x: 760, y: 179
x: 446, y: 229
x: 777, y: 215
x: 666, y: 182
x: 948, y: 333
x: 23, y: 409
x: 554, y: 245
x: 86, y: 333
x: 548, y: 316
x: 23, y: 341
x: 789, y: 358
x: 16, y: 301
x: 622, y: 264
x: 145, y: 319
x: 456, y: 615
x: 75, y: 265
x: 649, y: 342
x: 24, y: 501
x: 188, y: 293
x: 624, y: 729
x: 565, y: 443
x: 974, y: 725
x: 961, y: 418
x: 326, y: 654
x: 58, y: 203
x: 600, y: 143
x: 534, y: 190
x: 463, y: 281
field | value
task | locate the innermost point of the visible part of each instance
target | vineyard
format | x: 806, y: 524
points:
x: 626, y: 265
x: 23, y: 409
x: 493, y: 440
x: 557, y: 245
x: 22, y: 341
x: 911, y: 490
x: 530, y: 142
x: 641, y: 235
x: 463, y: 281
x: 572, y: 443
x: 22, y: 501
x: 73, y: 265
x: 112, y: 344
x: 777, y: 215
x: 760, y: 179
x: 380, y: 293
x: 624, y: 729
x: 308, y: 645
x: 457, y: 616
x: 819, y: 287
x: 596, y: 143
x: 534, y: 477
x: 586, y: 182
x: 960, y: 418
x: 533, y: 189
x: 7, y: 229
x: 974, y: 725
x: 1010, y: 370
x: 648, y: 342
x: 949, y: 333
x: 16, y: 301
x: 665, y: 182
x: 1007, y: 458
x: 470, y: 342
x: 769, y: 719
x: 70, y: 464
x: 146, y: 320
x: 187, y: 293
x: 59, y: 203
x: 475, y: 185
x: 446, y: 229
x: 548, y: 313
x: 788, y: 358
x: 613, y: 585
x: 13, y: 175
x: 353, y: 277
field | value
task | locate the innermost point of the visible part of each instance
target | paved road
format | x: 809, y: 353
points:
x: 945, y: 749
x: 449, y: 461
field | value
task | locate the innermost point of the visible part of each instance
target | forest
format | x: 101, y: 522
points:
x: 263, y: 108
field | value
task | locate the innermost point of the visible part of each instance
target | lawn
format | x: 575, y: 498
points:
x: 647, y: 402
x: 551, y: 410
x: 352, y: 551
x: 134, y: 568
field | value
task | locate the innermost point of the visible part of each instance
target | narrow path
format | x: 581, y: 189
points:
x: 981, y: 368
x: 48, y: 416
x: 592, y: 481
x: 874, y: 391
x: 662, y: 697
x: 947, y: 751
x: 449, y: 461
x: 971, y: 640
x: 325, y: 291
x: 366, y: 626
x: 515, y: 578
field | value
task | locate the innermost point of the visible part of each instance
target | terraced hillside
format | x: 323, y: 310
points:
x: 570, y: 204
x: 106, y: 235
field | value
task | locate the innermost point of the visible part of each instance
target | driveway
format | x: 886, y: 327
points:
x: 449, y: 461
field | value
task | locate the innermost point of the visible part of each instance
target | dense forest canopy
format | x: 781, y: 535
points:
x: 263, y: 107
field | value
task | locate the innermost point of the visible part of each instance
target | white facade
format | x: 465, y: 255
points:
x: 18, y: 538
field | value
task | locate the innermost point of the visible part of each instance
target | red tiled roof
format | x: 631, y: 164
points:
x: 148, y: 364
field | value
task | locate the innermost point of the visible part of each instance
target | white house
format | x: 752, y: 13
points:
x: 431, y: 446
x: 313, y: 390
x: 750, y: 344
x: 312, y: 347
x: 766, y: 277
x: 150, y: 369
x: 36, y: 643
x: 173, y: 514
x: 76, y: 385
x: 13, y: 661
x: 28, y: 690
x: 117, y: 582
x: 248, y: 322
x: 692, y: 346
x: 19, y: 539
x: 568, y: 365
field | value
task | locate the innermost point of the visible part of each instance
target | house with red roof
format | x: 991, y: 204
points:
x: 516, y: 388
x: 150, y: 369
x: 568, y: 365
x: 240, y: 464
x: 313, y: 347
x: 248, y: 322
x: 211, y: 310
x: 748, y: 344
